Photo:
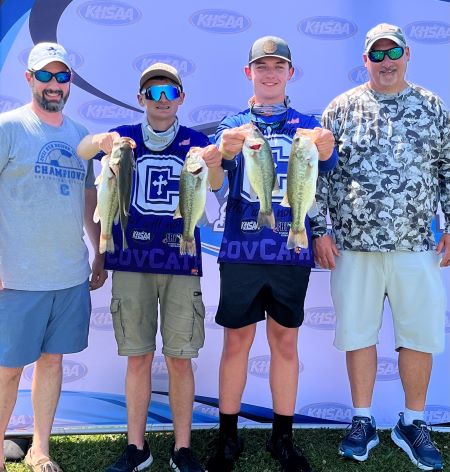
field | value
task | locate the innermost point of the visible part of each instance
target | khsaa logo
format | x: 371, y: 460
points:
x: 250, y: 226
x: 9, y: 103
x: 297, y: 75
x: 387, y: 369
x: 327, y: 27
x: 109, y: 13
x: 101, y: 319
x: 259, y: 366
x: 210, y: 317
x: 20, y: 422
x: 182, y: 65
x: 71, y: 371
x: 328, y: 411
x: 428, y: 32
x: 321, y: 317
x: 75, y: 59
x: 159, y: 368
x: 211, y: 113
x: 447, y: 322
x: 358, y: 75
x: 100, y: 111
x: 220, y: 21
x: 437, y: 414
x: 207, y: 410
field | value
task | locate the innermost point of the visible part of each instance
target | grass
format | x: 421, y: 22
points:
x: 95, y: 453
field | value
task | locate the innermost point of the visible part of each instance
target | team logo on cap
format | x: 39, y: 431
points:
x: 269, y: 46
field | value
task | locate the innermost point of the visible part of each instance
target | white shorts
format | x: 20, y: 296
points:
x: 412, y: 283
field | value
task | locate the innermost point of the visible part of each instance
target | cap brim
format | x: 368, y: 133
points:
x: 159, y: 73
x: 44, y: 62
x: 271, y: 55
x: 385, y: 36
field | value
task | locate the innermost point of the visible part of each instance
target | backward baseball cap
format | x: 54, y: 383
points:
x: 44, y: 53
x: 269, y: 46
x: 384, y: 31
x: 160, y: 69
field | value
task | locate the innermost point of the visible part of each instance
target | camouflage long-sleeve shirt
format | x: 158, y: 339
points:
x: 393, y: 169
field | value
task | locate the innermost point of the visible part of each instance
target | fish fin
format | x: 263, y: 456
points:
x: 116, y: 218
x: 266, y: 219
x: 96, y: 217
x: 297, y: 239
x: 285, y: 201
x: 98, y: 180
x: 203, y: 221
x: 314, y: 210
x: 110, y: 245
x: 177, y: 213
x: 187, y: 247
x: 276, y: 186
x: 253, y: 194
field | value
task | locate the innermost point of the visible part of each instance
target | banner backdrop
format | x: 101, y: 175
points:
x: 110, y: 43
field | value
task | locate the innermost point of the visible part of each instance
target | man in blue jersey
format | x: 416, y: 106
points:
x: 44, y: 268
x: 152, y: 269
x: 259, y: 274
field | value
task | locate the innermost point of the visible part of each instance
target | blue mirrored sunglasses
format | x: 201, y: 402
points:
x: 393, y: 54
x: 154, y: 92
x: 45, y: 76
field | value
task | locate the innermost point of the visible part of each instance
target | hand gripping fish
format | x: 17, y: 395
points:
x: 261, y: 174
x: 114, y: 192
x: 303, y: 169
x: 192, y: 198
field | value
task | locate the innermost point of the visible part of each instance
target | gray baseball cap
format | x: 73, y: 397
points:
x: 44, y: 53
x: 384, y: 31
x: 269, y: 46
x: 160, y: 69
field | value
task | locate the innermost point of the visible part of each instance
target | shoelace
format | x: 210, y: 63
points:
x: 358, y: 429
x: 424, y: 439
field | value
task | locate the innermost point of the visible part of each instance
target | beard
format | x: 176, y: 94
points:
x: 52, y: 105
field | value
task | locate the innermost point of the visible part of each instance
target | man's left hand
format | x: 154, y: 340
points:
x: 99, y: 274
x: 324, y: 142
x: 444, y: 248
x: 212, y: 156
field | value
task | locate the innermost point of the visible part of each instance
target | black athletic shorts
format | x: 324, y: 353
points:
x: 249, y: 291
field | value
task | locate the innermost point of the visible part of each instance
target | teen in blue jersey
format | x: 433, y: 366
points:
x: 259, y: 274
x: 151, y: 271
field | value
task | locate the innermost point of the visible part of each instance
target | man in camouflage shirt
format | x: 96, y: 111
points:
x: 393, y: 140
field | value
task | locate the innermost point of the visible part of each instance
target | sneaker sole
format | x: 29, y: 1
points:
x: 402, y: 444
x: 348, y: 453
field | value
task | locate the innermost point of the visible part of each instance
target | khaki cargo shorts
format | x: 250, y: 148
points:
x: 134, y: 309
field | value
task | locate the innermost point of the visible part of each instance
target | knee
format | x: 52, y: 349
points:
x: 284, y: 347
x: 236, y: 343
x: 49, y: 362
x: 178, y: 367
x: 10, y: 375
x: 139, y: 365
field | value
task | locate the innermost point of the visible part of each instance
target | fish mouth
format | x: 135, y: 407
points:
x: 255, y: 147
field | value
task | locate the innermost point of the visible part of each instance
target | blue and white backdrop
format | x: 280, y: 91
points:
x: 110, y: 43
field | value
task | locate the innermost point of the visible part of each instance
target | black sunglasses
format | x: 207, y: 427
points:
x: 393, y: 54
x: 45, y: 76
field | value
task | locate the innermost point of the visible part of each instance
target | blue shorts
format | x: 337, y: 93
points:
x: 52, y: 322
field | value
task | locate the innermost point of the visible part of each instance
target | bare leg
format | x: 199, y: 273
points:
x: 415, y: 370
x: 138, y: 392
x: 283, y: 367
x: 181, y: 397
x: 362, y: 371
x: 46, y: 390
x: 9, y: 384
x: 233, y: 367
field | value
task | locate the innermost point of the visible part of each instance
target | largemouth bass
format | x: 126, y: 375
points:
x: 261, y: 174
x: 192, y: 200
x: 303, y: 169
x: 122, y: 164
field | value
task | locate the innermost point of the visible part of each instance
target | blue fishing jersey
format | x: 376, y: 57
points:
x: 243, y: 241
x: 153, y: 236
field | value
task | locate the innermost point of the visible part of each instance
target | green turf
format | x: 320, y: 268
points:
x: 95, y: 453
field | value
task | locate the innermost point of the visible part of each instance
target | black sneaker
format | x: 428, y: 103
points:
x: 227, y: 453
x: 415, y: 440
x: 184, y: 460
x: 289, y: 456
x: 132, y: 459
x: 361, y: 438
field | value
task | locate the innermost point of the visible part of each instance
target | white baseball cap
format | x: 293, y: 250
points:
x: 44, y: 53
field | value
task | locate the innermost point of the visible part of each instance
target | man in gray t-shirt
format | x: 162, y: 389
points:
x: 44, y: 267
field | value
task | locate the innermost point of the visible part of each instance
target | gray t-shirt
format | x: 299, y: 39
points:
x: 42, y: 188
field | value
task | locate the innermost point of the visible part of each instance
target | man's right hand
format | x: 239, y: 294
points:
x: 325, y: 251
x: 105, y: 141
x: 231, y: 142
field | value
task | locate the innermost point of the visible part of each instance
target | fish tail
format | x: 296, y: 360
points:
x: 297, y: 239
x: 187, y: 246
x: 110, y: 245
x: 105, y: 244
x: 266, y: 219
